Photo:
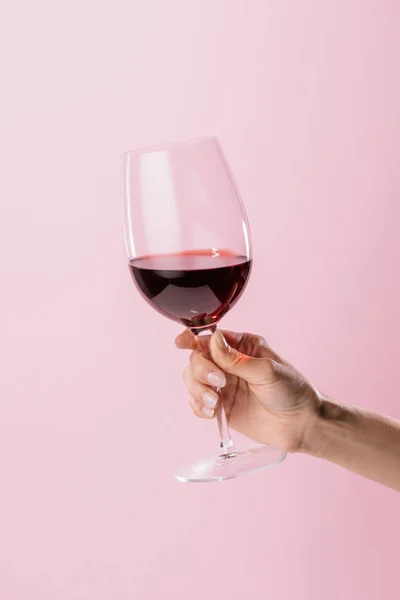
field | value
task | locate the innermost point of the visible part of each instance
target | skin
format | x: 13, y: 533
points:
x: 268, y: 401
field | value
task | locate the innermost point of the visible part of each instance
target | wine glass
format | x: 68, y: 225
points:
x: 189, y: 249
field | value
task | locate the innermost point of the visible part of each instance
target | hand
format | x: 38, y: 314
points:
x: 265, y: 398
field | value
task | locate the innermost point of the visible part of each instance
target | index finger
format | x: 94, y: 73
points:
x: 188, y: 341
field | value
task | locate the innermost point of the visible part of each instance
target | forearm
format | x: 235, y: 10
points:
x: 365, y: 443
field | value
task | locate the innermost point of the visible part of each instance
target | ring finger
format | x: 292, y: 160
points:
x: 204, y: 397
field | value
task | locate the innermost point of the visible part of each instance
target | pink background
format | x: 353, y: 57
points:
x: 305, y: 98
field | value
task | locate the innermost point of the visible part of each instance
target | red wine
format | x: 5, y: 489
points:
x: 195, y: 288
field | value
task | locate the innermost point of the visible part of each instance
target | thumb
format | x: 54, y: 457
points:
x: 253, y: 370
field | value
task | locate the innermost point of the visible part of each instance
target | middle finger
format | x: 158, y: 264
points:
x: 205, y: 371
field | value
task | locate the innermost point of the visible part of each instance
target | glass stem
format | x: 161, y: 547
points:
x: 226, y: 447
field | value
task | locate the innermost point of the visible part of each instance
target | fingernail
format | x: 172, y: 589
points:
x: 216, y: 379
x: 210, y: 399
x: 207, y: 411
x: 220, y: 339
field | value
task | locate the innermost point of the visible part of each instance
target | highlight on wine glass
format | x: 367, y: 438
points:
x: 188, y: 242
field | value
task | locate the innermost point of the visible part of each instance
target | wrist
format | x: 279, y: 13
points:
x: 331, y: 421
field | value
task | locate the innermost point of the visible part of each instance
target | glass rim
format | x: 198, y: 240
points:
x: 164, y: 147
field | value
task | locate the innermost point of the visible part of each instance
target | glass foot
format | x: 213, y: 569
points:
x: 241, y: 462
